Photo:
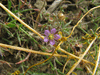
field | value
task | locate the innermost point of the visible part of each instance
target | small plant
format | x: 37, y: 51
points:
x: 75, y: 56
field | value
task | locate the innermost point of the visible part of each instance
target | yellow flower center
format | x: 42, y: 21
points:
x: 51, y: 37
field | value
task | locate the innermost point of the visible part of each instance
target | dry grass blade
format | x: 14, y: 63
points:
x: 29, y: 50
x: 21, y: 21
x: 74, y: 66
x: 37, y: 19
x: 5, y: 62
x: 65, y: 65
x: 97, y: 62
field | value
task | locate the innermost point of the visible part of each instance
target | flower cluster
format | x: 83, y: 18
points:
x: 51, y: 36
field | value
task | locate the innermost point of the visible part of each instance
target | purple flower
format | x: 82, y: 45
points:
x: 51, y: 36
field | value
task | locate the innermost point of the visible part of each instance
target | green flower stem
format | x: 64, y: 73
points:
x: 29, y: 35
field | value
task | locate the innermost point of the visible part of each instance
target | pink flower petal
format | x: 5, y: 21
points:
x: 46, y: 39
x: 47, y: 32
x: 53, y: 31
x: 56, y: 37
x: 52, y: 42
